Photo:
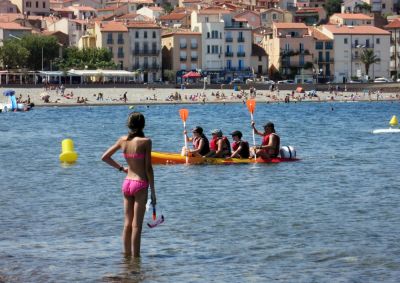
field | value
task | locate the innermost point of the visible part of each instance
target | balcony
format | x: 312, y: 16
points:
x: 193, y: 58
x: 183, y: 58
x: 183, y: 46
x: 241, y: 54
x: 322, y: 61
x: 356, y: 57
x: 120, y: 41
x: 360, y: 45
x: 110, y: 41
x: 228, y: 54
x: 194, y: 46
x: 154, y: 66
x: 228, y: 39
x: 294, y: 52
x: 153, y: 52
x: 240, y: 39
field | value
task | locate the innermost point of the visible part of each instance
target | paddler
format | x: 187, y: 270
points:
x: 240, y: 149
x: 201, y: 145
x: 219, y: 145
x: 270, y: 145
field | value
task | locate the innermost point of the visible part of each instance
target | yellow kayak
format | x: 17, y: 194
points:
x: 176, y: 158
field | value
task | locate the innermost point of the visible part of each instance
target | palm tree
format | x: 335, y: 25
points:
x: 368, y: 58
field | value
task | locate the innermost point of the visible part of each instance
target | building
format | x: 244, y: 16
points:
x: 323, y: 57
x: 7, y: 7
x: 309, y: 16
x: 74, y: 28
x: 259, y: 60
x: 11, y: 31
x: 29, y: 7
x: 349, y: 42
x: 181, y: 52
x: 290, y: 48
x: 394, y: 29
x: 253, y: 18
x: 176, y: 20
x: 226, y: 43
x: 152, y: 12
x: 349, y: 19
x: 145, y: 50
x: 83, y: 12
x: 275, y: 15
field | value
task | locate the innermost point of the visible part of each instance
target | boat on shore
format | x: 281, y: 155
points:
x: 166, y: 158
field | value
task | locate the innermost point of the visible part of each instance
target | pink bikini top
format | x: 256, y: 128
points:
x: 134, y: 155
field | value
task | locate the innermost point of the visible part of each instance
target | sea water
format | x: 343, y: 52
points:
x: 332, y: 217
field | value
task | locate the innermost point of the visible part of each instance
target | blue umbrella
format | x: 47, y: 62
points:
x: 9, y: 92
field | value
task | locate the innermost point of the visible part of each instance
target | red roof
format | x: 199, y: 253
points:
x: 393, y: 25
x: 13, y: 26
x: 113, y: 27
x: 335, y: 29
x: 173, y: 17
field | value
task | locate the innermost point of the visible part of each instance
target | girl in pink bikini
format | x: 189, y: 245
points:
x: 136, y: 149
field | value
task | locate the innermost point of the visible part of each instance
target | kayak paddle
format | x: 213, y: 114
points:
x: 184, y: 113
x: 251, y: 106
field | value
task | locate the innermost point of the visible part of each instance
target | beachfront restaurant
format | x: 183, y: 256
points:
x: 68, y: 77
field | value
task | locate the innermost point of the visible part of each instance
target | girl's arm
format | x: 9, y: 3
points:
x: 149, y: 171
x: 107, y: 156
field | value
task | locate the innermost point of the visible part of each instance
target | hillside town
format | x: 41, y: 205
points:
x: 151, y: 41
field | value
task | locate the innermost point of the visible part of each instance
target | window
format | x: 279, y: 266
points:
x: 145, y: 34
x: 301, y: 60
x: 240, y: 48
x: 37, y: 4
x: 136, y: 34
x: 378, y: 41
x: 44, y: 5
x: 183, y: 66
x: 214, y: 34
x: 193, y: 43
x: 241, y: 64
x: 214, y: 49
x: 367, y: 42
x: 208, y: 49
x: 328, y: 56
x: 28, y: 4
x: 345, y: 41
x: 208, y: 34
x: 154, y: 46
x: 109, y: 38
x: 301, y: 46
x: 320, y: 56
x: 111, y: 50
x: 259, y: 58
x: 329, y: 45
x: 206, y: 19
x: 319, y: 45
x: 287, y: 46
x: 154, y: 34
x: 274, y: 16
x: 193, y: 66
x: 228, y: 64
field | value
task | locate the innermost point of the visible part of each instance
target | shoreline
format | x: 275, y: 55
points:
x: 168, y: 96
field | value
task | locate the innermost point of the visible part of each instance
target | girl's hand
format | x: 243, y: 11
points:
x: 125, y: 170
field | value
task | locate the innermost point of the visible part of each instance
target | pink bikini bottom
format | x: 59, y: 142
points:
x: 131, y: 187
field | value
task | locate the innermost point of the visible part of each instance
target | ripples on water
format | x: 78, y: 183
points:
x: 333, y: 217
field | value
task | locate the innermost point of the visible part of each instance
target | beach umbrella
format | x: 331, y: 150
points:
x: 9, y: 92
x: 191, y: 75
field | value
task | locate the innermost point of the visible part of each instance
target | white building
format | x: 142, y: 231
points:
x: 74, y: 28
x: 349, y: 43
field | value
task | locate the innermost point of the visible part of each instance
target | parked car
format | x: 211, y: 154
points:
x: 269, y: 82
x: 354, y: 81
x: 286, y: 82
x: 382, y: 80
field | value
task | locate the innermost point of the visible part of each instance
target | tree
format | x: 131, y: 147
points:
x: 38, y: 46
x: 332, y: 6
x: 13, y: 55
x: 87, y: 58
x: 368, y: 58
x: 170, y: 75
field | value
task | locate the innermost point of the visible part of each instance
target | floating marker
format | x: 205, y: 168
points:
x: 132, y: 107
x: 393, y: 122
x: 68, y: 155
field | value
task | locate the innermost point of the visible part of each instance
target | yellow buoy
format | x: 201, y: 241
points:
x: 393, y: 122
x: 68, y: 154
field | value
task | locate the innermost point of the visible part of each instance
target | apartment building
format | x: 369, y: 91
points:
x: 323, y: 57
x: 377, y: 6
x: 290, y: 48
x: 74, y: 28
x: 349, y: 42
x: 394, y: 29
x: 226, y: 41
x: 181, y: 52
x: 349, y: 19
x: 153, y: 13
x: 12, y: 30
x: 176, y: 20
x: 145, y: 50
x: 33, y: 7
x: 275, y: 15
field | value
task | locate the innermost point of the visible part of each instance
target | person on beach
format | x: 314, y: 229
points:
x: 270, y: 145
x: 219, y: 145
x: 136, y: 149
x: 240, y: 148
x: 201, y: 145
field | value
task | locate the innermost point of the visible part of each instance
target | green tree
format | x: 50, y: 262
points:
x: 38, y: 46
x: 13, y: 55
x: 368, y: 58
x: 168, y: 8
x: 170, y: 75
x: 90, y: 58
x: 332, y: 6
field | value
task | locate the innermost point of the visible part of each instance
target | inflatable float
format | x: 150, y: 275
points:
x: 393, y: 123
x: 13, y: 105
x: 288, y: 154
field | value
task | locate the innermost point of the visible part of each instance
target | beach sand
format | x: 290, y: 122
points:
x: 136, y: 96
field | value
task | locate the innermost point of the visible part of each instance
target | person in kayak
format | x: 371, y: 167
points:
x: 201, y: 145
x: 240, y: 149
x: 270, y: 145
x: 136, y: 149
x: 219, y: 145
